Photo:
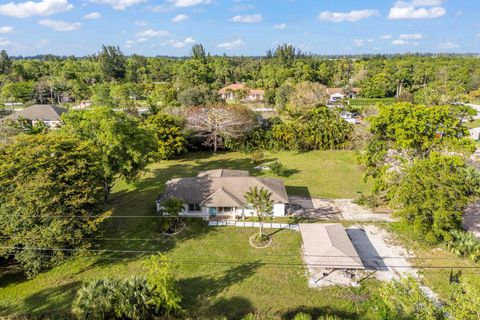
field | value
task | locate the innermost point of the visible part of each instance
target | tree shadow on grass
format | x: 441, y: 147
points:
x: 316, y: 312
x: 198, y: 293
x: 51, y: 303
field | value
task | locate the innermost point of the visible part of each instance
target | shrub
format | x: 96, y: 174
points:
x: 115, y: 299
x: 404, y: 299
x: 464, y: 244
x: 302, y: 316
x: 257, y: 156
x: 278, y: 168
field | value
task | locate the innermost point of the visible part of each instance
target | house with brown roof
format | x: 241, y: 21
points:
x: 340, y: 93
x: 221, y: 194
x: 48, y: 114
x: 239, y: 91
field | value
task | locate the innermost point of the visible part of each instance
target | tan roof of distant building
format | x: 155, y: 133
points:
x: 43, y: 112
x: 328, y: 246
x: 240, y: 86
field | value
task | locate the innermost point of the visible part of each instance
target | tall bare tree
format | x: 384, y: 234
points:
x: 219, y: 123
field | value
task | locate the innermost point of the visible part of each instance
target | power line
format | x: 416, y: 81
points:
x: 211, y: 261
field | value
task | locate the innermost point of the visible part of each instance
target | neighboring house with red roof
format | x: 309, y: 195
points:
x: 220, y: 194
x: 239, y: 91
x: 340, y: 93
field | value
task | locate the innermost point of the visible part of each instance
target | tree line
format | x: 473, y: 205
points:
x: 112, y: 78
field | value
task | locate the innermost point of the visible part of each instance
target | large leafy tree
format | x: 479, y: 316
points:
x: 404, y: 131
x: 261, y: 201
x: 432, y: 194
x: 125, y: 147
x: 169, y: 134
x: 51, y: 192
x: 112, y: 63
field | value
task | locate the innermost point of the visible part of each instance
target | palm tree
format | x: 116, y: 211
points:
x: 173, y: 206
x: 260, y: 200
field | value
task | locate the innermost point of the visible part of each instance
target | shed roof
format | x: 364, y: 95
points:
x: 328, y: 246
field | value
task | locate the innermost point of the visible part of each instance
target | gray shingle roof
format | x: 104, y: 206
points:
x: 221, y: 191
x: 43, y: 112
x: 328, y: 246
x: 216, y: 173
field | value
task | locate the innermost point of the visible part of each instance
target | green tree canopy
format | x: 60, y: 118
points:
x: 125, y: 147
x: 51, y: 192
x: 168, y: 131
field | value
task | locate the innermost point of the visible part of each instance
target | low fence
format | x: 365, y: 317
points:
x: 248, y: 224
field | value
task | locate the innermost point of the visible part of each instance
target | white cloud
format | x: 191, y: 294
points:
x: 119, y: 4
x: 151, y: 33
x: 231, y: 45
x: 92, y: 16
x: 478, y: 35
x: 352, y: 16
x: 399, y: 42
x: 188, y: 3
x: 59, y: 25
x: 180, y: 18
x: 280, y: 26
x: 140, y: 23
x: 417, y: 9
x: 251, y: 18
x: 358, y: 42
x: 448, y: 45
x: 31, y: 8
x: 386, y: 37
x: 243, y: 7
x: 361, y: 42
x: 5, y: 42
x: 180, y: 44
x: 6, y: 29
x: 412, y: 36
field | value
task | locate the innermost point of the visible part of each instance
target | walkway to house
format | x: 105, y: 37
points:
x: 249, y: 224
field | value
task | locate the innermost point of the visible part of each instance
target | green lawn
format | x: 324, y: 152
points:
x: 219, y: 273
x: 329, y: 174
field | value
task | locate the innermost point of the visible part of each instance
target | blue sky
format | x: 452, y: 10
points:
x: 239, y: 27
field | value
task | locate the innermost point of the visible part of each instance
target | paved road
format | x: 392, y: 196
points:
x: 471, y: 219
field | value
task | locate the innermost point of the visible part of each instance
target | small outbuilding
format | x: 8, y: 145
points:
x: 328, y: 246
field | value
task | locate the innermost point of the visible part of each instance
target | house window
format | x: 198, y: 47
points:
x: 194, y: 207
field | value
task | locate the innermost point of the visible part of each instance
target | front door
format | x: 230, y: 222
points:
x: 212, y: 211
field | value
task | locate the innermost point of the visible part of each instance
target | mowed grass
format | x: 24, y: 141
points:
x: 218, y: 272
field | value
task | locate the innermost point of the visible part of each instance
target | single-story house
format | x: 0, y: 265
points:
x: 328, y: 246
x: 241, y: 92
x: 48, y: 114
x: 220, y: 194
x: 340, y: 93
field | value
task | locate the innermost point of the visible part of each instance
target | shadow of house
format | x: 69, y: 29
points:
x: 299, y: 191
x: 198, y: 293
x: 365, y: 249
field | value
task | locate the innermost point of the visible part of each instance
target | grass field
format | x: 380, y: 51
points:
x: 219, y: 273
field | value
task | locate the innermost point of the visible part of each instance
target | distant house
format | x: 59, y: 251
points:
x: 221, y: 194
x: 340, y: 93
x: 475, y: 134
x: 48, y: 114
x: 239, y: 91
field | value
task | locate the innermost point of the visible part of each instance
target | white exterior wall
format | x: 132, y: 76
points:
x: 279, y: 210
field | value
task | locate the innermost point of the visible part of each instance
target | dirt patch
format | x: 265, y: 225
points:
x: 353, y: 212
